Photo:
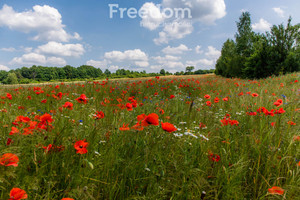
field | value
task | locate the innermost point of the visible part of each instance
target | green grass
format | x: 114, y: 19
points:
x: 152, y: 163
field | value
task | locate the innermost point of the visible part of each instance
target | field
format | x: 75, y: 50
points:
x: 196, y: 137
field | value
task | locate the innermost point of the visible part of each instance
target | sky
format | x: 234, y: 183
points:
x: 128, y: 34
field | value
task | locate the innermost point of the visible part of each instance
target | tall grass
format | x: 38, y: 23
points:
x: 152, y: 163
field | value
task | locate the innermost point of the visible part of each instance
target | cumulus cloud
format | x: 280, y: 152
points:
x: 201, y: 63
x: 128, y: 55
x: 99, y: 64
x: 261, y: 26
x: 176, y: 50
x: 213, y: 52
x: 279, y: 11
x: 205, y: 11
x: 59, y: 49
x: 198, y: 49
x: 167, y: 62
x: 9, y: 49
x: 174, y: 30
x: 37, y: 59
x: 152, y: 17
x: 3, y: 67
x: 44, y: 20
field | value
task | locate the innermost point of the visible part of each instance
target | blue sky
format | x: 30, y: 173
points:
x: 61, y: 32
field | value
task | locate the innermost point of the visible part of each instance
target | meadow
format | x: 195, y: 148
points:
x: 191, y: 137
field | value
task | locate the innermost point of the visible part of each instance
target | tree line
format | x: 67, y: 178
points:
x: 255, y: 55
x: 37, y: 74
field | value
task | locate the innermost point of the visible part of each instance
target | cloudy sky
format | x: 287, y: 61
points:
x: 130, y: 34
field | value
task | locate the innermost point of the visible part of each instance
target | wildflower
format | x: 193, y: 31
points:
x: 9, y: 159
x: 9, y: 141
x: 273, y: 124
x: 168, y: 127
x: 81, y: 146
x: 129, y: 106
x: 9, y: 96
x: 208, y: 103
x: 278, y: 102
x: 67, y: 199
x: 206, y: 96
x: 99, y: 115
x: 82, y: 99
x: 17, y: 194
x: 172, y: 96
x: 14, y: 130
x: 216, y: 100
x: 68, y: 105
x: 225, y: 99
x: 291, y: 123
x: 214, y: 157
x: 44, y: 101
x: 151, y: 119
x: 254, y: 95
x: 296, y: 138
x: 124, y: 127
x: 276, y: 190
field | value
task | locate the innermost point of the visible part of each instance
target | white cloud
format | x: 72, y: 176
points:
x: 205, y: 11
x: 198, y: 49
x: 10, y: 49
x: 59, y: 49
x: 213, y: 52
x: 175, y: 30
x: 141, y: 63
x: 167, y: 58
x: 56, y: 61
x: 200, y: 64
x: 113, y: 68
x: 261, y: 26
x: 152, y: 17
x: 176, y: 50
x: 44, y: 20
x: 128, y: 55
x: 37, y: 59
x: 99, y: 64
x: 3, y: 67
x: 279, y: 12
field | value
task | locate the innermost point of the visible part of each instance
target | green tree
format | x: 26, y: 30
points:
x: 189, y: 69
x: 162, y: 72
x: 11, y: 78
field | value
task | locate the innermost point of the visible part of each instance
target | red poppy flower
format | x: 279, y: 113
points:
x: 138, y: 127
x: 254, y: 94
x: 225, y: 99
x: 291, y: 123
x: 99, y: 115
x: 172, y: 96
x: 216, y: 100
x: 82, y: 99
x: 14, y: 130
x: 9, y: 141
x: 81, y: 146
x: 278, y: 102
x: 273, y: 124
x: 9, y: 159
x: 298, y: 164
x: 46, y: 118
x: 9, y: 96
x: 276, y: 190
x: 129, y: 106
x: 168, y: 127
x: 44, y: 101
x: 151, y: 119
x: 67, y: 199
x: 214, y: 157
x: 68, y: 105
x: 17, y: 194
x: 206, y: 96
x: 208, y: 103
x: 124, y: 127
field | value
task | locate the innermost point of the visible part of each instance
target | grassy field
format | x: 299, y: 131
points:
x: 195, y: 137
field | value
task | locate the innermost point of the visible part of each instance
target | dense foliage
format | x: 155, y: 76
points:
x: 37, y: 74
x: 253, y: 55
x: 194, y: 137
